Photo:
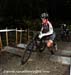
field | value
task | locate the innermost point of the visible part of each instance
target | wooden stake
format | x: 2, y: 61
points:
x: 0, y: 43
x: 21, y: 36
x: 16, y: 37
x: 7, y: 38
x: 28, y: 34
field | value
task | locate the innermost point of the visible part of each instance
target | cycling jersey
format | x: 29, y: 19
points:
x: 47, y: 29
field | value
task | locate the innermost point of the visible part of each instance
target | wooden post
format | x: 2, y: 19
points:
x: 7, y: 38
x: 0, y: 42
x: 16, y: 37
x: 28, y: 34
x: 21, y: 36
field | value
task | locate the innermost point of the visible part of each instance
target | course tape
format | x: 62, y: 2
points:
x: 8, y: 30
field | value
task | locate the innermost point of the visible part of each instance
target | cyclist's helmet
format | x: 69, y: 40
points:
x: 44, y: 15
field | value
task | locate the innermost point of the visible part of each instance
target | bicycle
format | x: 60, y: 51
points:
x: 38, y: 45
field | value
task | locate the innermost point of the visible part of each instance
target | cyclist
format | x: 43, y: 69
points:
x: 64, y: 27
x: 47, y: 30
x: 64, y: 31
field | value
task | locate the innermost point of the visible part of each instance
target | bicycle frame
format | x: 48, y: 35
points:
x: 34, y: 45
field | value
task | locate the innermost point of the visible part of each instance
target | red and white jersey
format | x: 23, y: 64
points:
x: 47, y: 28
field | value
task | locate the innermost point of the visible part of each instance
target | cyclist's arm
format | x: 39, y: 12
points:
x: 41, y: 30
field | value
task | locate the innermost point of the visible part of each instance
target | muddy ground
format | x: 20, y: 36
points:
x: 38, y: 64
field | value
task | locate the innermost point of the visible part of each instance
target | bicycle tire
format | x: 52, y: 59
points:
x: 25, y: 57
x: 27, y: 53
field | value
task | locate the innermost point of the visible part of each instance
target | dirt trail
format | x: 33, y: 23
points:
x: 38, y: 64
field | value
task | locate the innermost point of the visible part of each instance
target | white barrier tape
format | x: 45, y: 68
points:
x: 8, y: 30
x: 20, y: 30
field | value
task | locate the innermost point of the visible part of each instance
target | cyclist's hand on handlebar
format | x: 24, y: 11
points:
x: 40, y: 36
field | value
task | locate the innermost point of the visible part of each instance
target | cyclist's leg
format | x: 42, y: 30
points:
x: 50, y: 43
x: 55, y: 48
x: 51, y: 40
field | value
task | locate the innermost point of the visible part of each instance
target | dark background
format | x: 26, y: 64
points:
x: 59, y: 10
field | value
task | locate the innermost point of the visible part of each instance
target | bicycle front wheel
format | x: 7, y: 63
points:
x: 27, y: 53
x: 26, y: 56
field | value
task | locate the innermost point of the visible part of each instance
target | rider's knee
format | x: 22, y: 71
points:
x: 50, y: 43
